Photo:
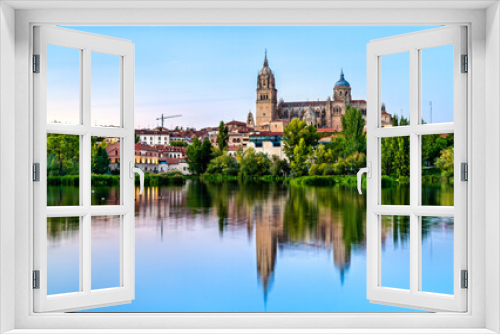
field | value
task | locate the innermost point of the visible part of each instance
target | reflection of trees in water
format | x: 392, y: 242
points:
x: 327, y: 218
x: 60, y: 228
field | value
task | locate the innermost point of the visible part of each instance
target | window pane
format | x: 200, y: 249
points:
x: 395, y: 89
x: 63, y: 170
x: 105, y: 90
x: 437, y: 254
x: 395, y: 259
x: 437, y: 84
x: 395, y: 170
x: 105, y: 171
x: 63, y: 85
x: 63, y: 255
x: 437, y: 169
x: 105, y: 256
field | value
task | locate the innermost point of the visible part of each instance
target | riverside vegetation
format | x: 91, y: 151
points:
x: 309, y: 163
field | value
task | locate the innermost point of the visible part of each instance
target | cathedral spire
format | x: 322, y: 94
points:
x: 341, y: 73
x: 265, y: 58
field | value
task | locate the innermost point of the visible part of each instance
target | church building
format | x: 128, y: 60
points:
x: 272, y: 115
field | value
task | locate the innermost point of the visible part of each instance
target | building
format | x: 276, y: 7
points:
x: 275, y: 116
x: 270, y: 143
x: 153, y: 137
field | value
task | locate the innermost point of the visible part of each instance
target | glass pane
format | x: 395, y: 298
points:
x: 437, y: 84
x: 395, y: 170
x: 395, y: 89
x: 395, y: 258
x: 437, y: 169
x: 437, y: 254
x: 63, y: 85
x: 105, y: 171
x: 63, y: 255
x: 105, y: 90
x: 105, y: 256
x: 63, y: 170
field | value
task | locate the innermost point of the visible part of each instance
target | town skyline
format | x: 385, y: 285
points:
x: 208, y: 74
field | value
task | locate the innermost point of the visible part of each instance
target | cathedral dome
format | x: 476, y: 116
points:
x: 342, y: 82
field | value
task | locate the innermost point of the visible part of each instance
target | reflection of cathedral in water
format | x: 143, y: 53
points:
x: 264, y: 219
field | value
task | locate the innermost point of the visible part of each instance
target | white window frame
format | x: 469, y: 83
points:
x: 86, y: 44
x: 413, y: 44
x: 484, y: 46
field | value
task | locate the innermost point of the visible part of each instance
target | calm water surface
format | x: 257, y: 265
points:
x: 230, y: 247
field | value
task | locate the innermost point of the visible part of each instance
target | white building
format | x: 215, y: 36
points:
x: 153, y: 137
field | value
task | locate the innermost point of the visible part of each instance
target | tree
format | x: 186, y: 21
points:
x: 294, y: 132
x: 63, y: 151
x: 338, y: 147
x: 355, y: 161
x: 279, y: 167
x: 137, y: 139
x: 301, y: 154
x: 100, y: 161
x: 254, y: 164
x: 222, y: 136
x: 353, y: 125
x: 179, y: 143
x: 401, y: 159
x: 446, y: 162
x: 223, y: 164
x: 199, y: 155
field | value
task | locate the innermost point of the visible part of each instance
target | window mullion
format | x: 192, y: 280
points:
x: 414, y: 169
x: 86, y: 174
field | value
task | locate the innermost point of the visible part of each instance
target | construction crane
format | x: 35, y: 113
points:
x: 163, y: 118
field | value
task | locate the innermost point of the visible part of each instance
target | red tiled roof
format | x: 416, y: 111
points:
x: 143, y: 147
x: 152, y: 132
x: 327, y: 130
x: 236, y: 123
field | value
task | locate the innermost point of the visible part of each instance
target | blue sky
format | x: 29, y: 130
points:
x: 209, y: 74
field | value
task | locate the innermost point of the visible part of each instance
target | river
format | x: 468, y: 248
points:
x: 257, y: 247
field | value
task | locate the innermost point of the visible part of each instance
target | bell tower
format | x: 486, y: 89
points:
x: 266, y: 95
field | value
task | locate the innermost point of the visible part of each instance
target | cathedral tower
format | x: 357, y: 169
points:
x: 266, y: 95
x: 342, y: 90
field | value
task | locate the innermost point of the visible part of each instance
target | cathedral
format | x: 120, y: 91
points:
x: 272, y: 115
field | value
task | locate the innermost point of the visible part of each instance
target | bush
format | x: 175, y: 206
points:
x: 318, y: 181
x: 386, y: 181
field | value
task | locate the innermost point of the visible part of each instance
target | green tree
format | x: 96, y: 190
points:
x: 355, y: 161
x: 199, y: 155
x: 254, y: 164
x: 137, y: 139
x: 279, y: 167
x: 401, y: 158
x: 222, y: 136
x: 353, y: 125
x: 301, y: 153
x: 446, y: 162
x: 223, y: 164
x: 338, y: 147
x: 63, y: 153
x: 339, y: 167
x: 100, y: 161
x: 294, y: 132
x: 179, y: 143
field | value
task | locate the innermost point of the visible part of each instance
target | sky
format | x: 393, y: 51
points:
x: 209, y: 74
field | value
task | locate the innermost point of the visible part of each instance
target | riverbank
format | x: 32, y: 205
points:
x: 179, y: 179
